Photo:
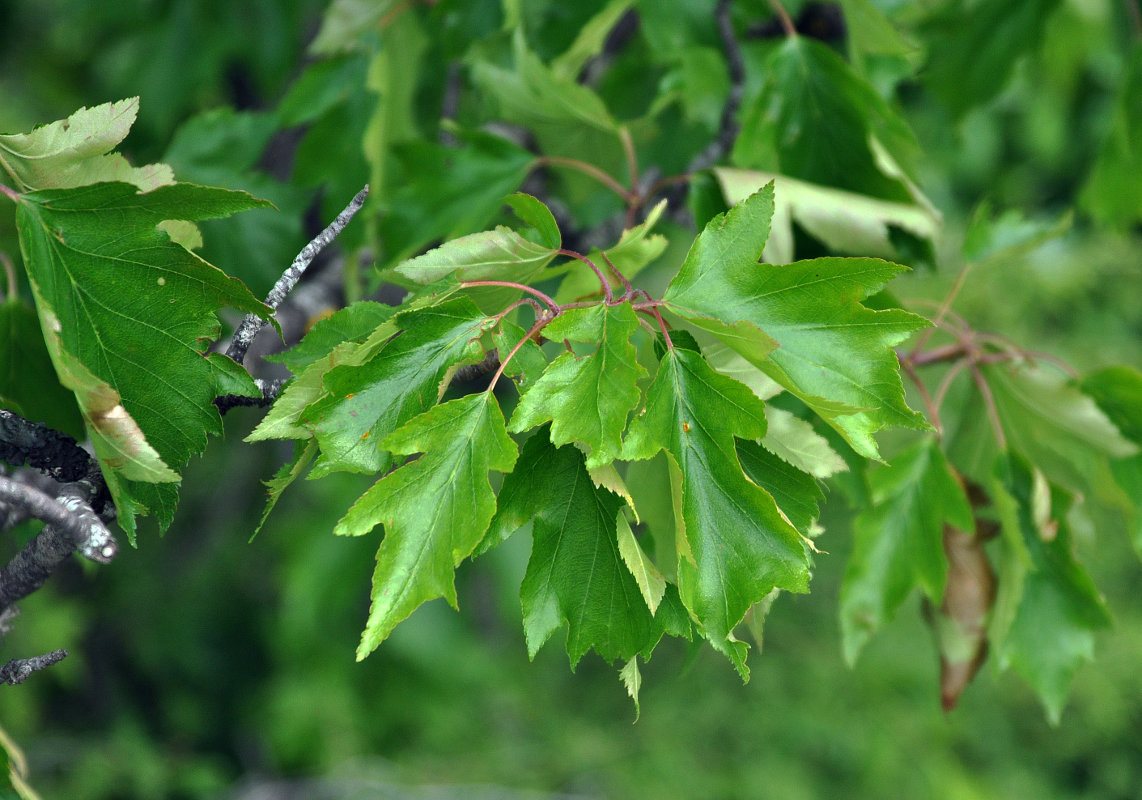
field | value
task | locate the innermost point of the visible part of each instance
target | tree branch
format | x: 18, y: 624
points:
x: 253, y: 324
x: 19, y: 669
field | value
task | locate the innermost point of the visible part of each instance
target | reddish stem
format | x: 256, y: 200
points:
x: 9, y: 193
x: 606, y: 284
x: 522, y: 287
x: 536, y: 328
x: 590, y: 170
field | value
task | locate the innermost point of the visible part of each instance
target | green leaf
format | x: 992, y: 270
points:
x: 972, y: 54
x: 587, y: 398
x: 462, y: 441
x: 898, y: 544
x: 816, y: 119
x: 833, y: 353
x: 592, y: 36
x: 28, y: 383
x: 1112, y: 195
x: 737, y: 545
x: 651, y: 582
x: 1061, y: 431
x: 871, y: 32
x: 284, y: 419
x: 795, y: 441
x: 576, y: 574
x: 127, y: 316
x: 1118, y: 393
x: 632, y: 680
x: 303, y: 454
x: 77, y: 152
x: 1052, y: 633
x: 407, y: 376
x: 796, y: 493
x: 501, y: 254
x: 354, y: 323
x: 346, y: 22
x: 845, y: 222
x: 443, y: 192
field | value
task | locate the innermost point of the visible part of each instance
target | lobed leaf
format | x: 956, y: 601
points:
x: 364, y: 403
x: 898, y: 543
x: 462, y: 441
x: 833, y: 353
x: 127, y: 316
x: 576, y: 574
x: 736, y: 545
x: 587, y: 398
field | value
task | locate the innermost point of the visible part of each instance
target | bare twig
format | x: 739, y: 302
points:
x: 53, y: 453
x: 18, y: 670
x: 728, y: 128
x: 252, y: 324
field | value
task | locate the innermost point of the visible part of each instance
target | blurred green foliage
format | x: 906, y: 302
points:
x: 201, y: 660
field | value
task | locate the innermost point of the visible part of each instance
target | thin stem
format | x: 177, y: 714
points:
x: 989, y: 404
x: 606, y: 284
x: 550, y: 303
x: 521, y: 302
x: 651, y: 307
x: 10, y: 274
x: 9, y: 193
x: 632, y: 159
x: 588, y: 169
x: 623, y: 278
x: 946, y: 382
x: 536, y: 328
x: 944, y: 308
x: 783, y: 16
x: 936, y: 355
x: 933, y: 412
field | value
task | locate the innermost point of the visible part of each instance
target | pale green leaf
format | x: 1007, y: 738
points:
x: 462, y: 441
x: 587, y: 398
x: 77, y: 152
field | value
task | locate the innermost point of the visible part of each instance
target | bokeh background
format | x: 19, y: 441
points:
x: 206, y: 665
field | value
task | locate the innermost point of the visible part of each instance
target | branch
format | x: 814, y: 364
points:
x: 53, y: 453
x: 71, y: 525
x: 728, y: 128
x: 253, y: 324
x: 270, y: 390
x: 19, y: 669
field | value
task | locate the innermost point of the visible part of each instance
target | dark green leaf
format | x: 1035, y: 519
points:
x: 28, y: 383
x: 833, y: 353
x: 576, y: 575
x: 898, y: 544
x: 737, y: 545
x: 366, y: 403
x: 127, y: 316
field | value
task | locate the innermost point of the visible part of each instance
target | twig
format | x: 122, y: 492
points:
x: 728, y: 127
x: 989, y: 404
x: 270, y: 390
x: 51, y: 452
x: 606, y: 284
x: 18, y: 670
x: 786, y: 21
x: 252, y: 324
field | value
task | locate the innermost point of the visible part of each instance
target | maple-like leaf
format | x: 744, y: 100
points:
x: 435, y: 509
x: 77, y: 152
x: 1055, y: 607
x: 127, y: 315
x: 576, y: 574
x: 737, y: 545
x: 898, y: 543
x: 830, y: 351
x: 366, y: 403
x: 587, y: 398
